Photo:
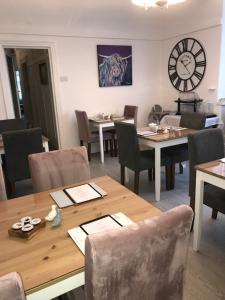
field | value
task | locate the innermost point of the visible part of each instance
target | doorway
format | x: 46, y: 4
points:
x: 31, y: 88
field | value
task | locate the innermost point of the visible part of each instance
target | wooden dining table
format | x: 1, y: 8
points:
x: 211, y: 172
x: 50, y: 263
x: 159, y: 141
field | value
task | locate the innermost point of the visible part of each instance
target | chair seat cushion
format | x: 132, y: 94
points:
x: 177, y: 153
x: 214, y: 197
x: 95, y: 137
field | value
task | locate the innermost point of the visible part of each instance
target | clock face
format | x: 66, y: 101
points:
x: 186, y: 66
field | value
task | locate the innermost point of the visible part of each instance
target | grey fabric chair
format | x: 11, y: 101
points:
x: 11, y: 287
x: 132, y: 157
x: 179, y: 153
x: 58, y: 168
x: 2, y: 185
x: 87, y: 137
x: 18, y: 145
x: 146, y: 260
x: 205, y: 146
x: 12, y: 124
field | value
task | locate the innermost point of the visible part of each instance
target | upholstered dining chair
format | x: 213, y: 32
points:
x: 132, y: 157
x: 12, y: 124
x: 179, y: 153
x: 86, y: 136
x: 145, y: 260
x: 2, y: 185
x: 130, y: 112
x: 18, y: 145
x: 11, y: 287
x: 205, y: 146
x: 58, y: 168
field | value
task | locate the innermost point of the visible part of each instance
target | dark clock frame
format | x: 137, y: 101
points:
x: 177, y: 80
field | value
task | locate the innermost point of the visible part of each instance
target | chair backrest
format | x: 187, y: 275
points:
x: 128, y: 146
x: 12, y: 124
x: 83, y: 125
x: 2, y: 185
x: 11, y: 287
x: 130, y: 112
x: 18, y: 145
x: 193, y: 120
x: 203, y: 146
x: 58, y: 168
x: 141, y: 261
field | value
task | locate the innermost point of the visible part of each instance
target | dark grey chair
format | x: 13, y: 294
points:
x: 88, y: 137
x: 131, y: 157
x: 205, y: 146
x: 12, y: 124
x: 130, y: 112
x: 179, y: 153
x: 18, y: 145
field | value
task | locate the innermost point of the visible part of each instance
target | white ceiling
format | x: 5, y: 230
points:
x: 105, y: 18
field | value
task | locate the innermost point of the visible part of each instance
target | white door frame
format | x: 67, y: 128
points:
x: 6, y: 88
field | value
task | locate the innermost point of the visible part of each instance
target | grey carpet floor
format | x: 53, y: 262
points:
x: 205, y: 276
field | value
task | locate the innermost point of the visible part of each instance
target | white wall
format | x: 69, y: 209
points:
x: 211, y: 41
x: 76, y: 61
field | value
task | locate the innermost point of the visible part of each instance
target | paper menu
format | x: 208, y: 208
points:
x: 78, y: 235
x: 99, y: 225
x: 82, y: 193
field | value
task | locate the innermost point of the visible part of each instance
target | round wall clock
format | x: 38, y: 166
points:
x: 186, y: 66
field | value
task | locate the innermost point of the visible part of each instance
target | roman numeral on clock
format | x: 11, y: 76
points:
x: 178, y: 49
x: 198, y: 75
x: 200, y: 63
x: 185, y: 85
x: 198, y: 53
x: 172, y: 67
x: 174, y: 76
x: 177, y: 84
x: 192, y: 83
x: 185, y: 45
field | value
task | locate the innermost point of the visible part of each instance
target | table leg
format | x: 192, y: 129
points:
x: 157, y: 173
x: 101, y: 143
x: 198, y: 211
x: 45, y: 144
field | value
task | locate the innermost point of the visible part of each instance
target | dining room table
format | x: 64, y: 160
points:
x: 104, y: 123
x: 212, y: 172
x: 50, y: 263
x: 158, y: 140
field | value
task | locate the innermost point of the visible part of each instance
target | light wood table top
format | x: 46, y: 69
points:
x: 216, y: 168
x: 51, y: 255
x: 162, y: 137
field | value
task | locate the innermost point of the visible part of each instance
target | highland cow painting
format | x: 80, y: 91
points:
x: 114, y: 65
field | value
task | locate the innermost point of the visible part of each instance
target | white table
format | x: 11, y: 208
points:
x: 103, y: 124
x: 213, y: 173
x: 158, y: 142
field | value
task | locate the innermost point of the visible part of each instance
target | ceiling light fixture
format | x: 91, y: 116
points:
x: 153, y: 3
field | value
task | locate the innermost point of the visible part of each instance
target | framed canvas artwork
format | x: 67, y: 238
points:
x: 114, y: 65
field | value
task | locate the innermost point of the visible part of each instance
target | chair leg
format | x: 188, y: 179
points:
x: 115, y: 147
x: 106, y: 146
x: 111, y: 148
x: 136, y: 182
x: 122, y: 174
x: 214, y: 213
x: 181, y: 168
x: 192, y: 205
x: 89, y: 151
x: 150, y: 174
x: 172, y: 177
x: 81, y: 143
